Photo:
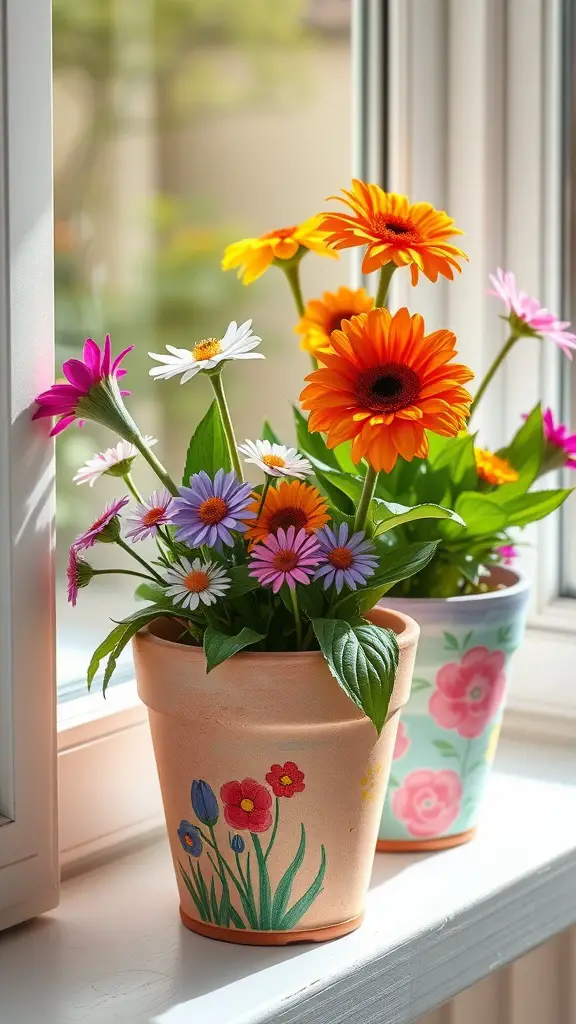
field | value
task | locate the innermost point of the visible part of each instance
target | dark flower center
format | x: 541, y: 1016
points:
x: 335, y: 324
x: 285, y: 560
x: 387, y: 388
x: 394, y: 229
x: 288, y: 516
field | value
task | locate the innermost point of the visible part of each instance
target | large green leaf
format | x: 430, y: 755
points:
x: 389, y: 514
x: 269, y: 434
x: 218, y: 646
x: 397, y: 564
x: 525, y: 454
x: 103, y: 649
x: 284, y: 888
x: 208, y: 449
x: 364, y: 660
x: 313, y: 444
x: 480, y: 512
x: 457, y: 455
x: 242, y: 582
x: 528, y: 508
x: 297, y: 911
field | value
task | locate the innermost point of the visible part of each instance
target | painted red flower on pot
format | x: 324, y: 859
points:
x: 247, y: 805
x: 468, y: 693
x: 285, y: 779
x: 403, y: 741
x: 428, y: 802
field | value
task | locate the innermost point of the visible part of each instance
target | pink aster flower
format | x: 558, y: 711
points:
x: 507, y: 553
x: 560, y: 445
x: 285, y: 557
x: 79, y: 574
x: 527, y: 316
x: 72, y: 400
x: 144, y: 521
x: 105, y: 528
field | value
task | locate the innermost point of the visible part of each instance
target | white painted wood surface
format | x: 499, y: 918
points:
x: 115, y: 951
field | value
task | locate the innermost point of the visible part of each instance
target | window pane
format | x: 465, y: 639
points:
x: 568, y: 551
x: 181, y: 126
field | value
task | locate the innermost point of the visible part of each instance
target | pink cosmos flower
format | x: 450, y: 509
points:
x: 82, y: 374
x: 79, y: 574
x: 526, y: 312
x: 468, y: 693
x: 403, y: 742
x: 428, y: 802
x: 507, y: 554
x: 100, y: 525
x: 147, y: 517
x: 285, y: 557
x: 561, y: 444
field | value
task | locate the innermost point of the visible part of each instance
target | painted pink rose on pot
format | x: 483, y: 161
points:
x: 468, y: 693
x: 402, y: 742
x: 428, y: 802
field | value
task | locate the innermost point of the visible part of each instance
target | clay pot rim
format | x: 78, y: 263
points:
x: 407, y: 635
x: 520, y: 585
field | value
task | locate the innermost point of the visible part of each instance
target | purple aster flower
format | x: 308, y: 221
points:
x: 344, y: 560
x: 149, y: 515
x: 208, y: 509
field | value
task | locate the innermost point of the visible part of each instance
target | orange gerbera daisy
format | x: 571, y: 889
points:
x: 385, y: 385
x: 394, y: 230
x: 253, y: 256
x: 290, y: 504
x: 493, y: 469
x: 322, y: 316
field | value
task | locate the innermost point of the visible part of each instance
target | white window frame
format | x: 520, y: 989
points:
x: 476, y: 128
x: 28, y: 833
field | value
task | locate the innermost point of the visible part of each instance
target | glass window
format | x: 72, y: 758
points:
x: 181, y: 126
x: 568, y: 547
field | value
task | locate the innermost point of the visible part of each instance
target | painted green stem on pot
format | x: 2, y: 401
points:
x: 274, y: 829
x: 264, y: 886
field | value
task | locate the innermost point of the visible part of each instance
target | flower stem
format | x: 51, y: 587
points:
x: 274, y: 829
x: 495, y: 366
x: 292, y: 272
x: 384, y: 283
x: 155, y: 464
x: 216, y: 382
x: 125, y: 547
x: 265, y: 489
x: 132, y: 487
x: 122, y: 572
x: 370, y: 481
x: 297, y: 619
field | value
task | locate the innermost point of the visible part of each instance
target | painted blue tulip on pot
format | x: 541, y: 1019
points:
x: 237, y: 844
x: 204, y: 802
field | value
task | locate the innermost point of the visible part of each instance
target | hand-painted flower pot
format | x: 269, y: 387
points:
x: 273, y: 783
x: 447, y: 738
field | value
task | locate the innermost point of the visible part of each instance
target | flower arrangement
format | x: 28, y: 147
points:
x: 297, y: 561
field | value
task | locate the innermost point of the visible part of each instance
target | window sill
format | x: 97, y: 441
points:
x: 435, y: 924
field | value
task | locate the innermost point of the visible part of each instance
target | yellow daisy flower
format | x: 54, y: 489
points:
x: 253, y: 256
x: 493, y: 469
x: 322, y: 316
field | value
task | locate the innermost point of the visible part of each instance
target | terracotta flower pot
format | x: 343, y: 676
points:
x: 449, y: 731
x: 273, y: 783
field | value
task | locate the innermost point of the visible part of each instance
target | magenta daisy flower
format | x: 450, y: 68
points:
x: 560, y: 445
x: 105, y: 528
x: 507, y: 553
x: 79, y: 574
x: 71, y: 401
x: 144, y: 521
x: 527, y: 316
x: 285, y: 557
x: 208, y: 509
x: 344, y: 560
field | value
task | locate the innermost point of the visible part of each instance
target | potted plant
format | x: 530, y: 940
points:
x: 273, y: 680
x: 383, y: 407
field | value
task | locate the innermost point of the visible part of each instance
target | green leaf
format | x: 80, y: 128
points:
x: 480, y: 512
x: 420, y: 684
x: 264, y: 884
x: 393, y: 781
x: 344, y: 459
x: 337, y: 497
x: 528, y: 508
x: 235, y: 917
x: 103, y: 649
x: 242, y: 582
x: 524, y: 453
x: 284, y: 889
x: 389, y: 514
x: 450, y: 642
x: 457, y: 455
x: 398, y: 563
x: 313, y: 444
x: 268, y: 434
x: 445, y: 749
x: 208, y: 449
x: 363, y: 660
x: 305, y: 902
x: 192, y: 890
x: 350, y: 485
x: 214, y: 902
x: 130, y: 626
x: 218, y: 646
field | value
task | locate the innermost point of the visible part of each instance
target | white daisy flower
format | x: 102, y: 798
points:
x: 192, y: 582
x: 114, y: 461
x: 237, y: 343
x: 275, y: 459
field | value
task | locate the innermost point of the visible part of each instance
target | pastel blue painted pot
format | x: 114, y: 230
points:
x: 449, y: 729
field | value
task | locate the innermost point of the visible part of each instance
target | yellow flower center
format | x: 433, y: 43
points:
x: 281, y: 233
x: 206, y: 349
x: 285, y: 780
x: 153, y: 516
x: 212, y: 511
x: 274, y: 460
x: 246, y: 805
x: 188, y: 840
x: 196, y: 581
x: 341, y: 558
